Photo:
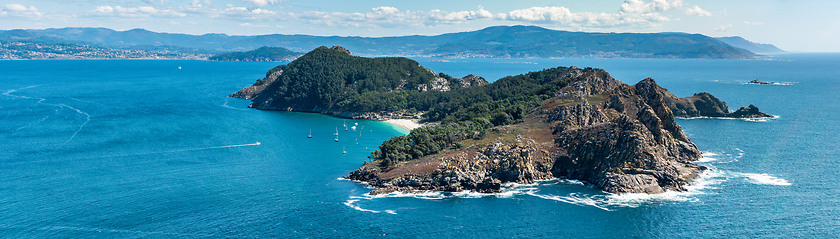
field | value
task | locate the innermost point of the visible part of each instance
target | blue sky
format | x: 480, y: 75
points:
x: 812, y: 26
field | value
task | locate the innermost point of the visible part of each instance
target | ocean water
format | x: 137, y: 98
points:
x: 143, y: 149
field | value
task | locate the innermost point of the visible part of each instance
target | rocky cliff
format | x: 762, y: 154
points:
x: 253, y: 91
x: 617, y: 137
x: 704, y: 104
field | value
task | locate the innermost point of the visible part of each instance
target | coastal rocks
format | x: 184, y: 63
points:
x: 253, y: 91
x: 617, y: 137
x: 706, y: 105
x: 483, y: 170
x: 758, y: 82
x: 749, y: 112
x: 700, y: 104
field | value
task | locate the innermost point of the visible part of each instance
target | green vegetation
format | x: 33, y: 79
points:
x: 260, y: 54
x: 469, y: 112
x: 331, y: 78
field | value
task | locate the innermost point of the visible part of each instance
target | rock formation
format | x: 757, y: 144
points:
x: 253, y: 91
x: 617, y: 137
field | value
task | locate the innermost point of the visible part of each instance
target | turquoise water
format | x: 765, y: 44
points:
x: 141, y: 148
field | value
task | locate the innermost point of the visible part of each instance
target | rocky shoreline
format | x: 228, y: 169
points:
x: 616, y: 137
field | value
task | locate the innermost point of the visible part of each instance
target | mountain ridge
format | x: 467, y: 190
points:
x: 497, y: 41
x: 754, y: 47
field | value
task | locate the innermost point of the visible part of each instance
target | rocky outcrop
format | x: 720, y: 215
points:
x: 472, y: 80
x: 749, y: 112
x: 617, y: 137
x: 483, y: 170
x: 438, y: 84
x: 702, y: 104
x: 253, y: 91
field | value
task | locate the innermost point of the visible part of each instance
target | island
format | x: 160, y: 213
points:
x: 265, y: 53
x: 759, y: 82
x: 562, y: 122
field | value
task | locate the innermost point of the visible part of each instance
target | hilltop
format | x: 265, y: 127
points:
x: 260, y: 54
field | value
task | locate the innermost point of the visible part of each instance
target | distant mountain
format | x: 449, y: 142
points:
x: 265, y: 53
x: 759, y: 48
x: 499, y: 41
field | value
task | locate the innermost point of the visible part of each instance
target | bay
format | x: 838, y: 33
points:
x: 155, y: 149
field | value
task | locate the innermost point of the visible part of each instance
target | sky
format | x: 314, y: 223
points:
x: 797, y: 26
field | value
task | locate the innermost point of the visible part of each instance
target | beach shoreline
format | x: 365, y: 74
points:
x: 408, y: 124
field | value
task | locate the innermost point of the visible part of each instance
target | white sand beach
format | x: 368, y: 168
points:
x: 408, y: 124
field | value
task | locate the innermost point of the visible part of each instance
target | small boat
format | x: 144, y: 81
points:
x: 310, y: 134
x: 258, y: 143
x: 336, y: 138
x: 344, y: 151
x: 357, y: 123
x: 179, y: 68
x: 354, y: 128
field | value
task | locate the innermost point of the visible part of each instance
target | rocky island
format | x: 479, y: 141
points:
x: 759, y: 82
x: 563, y: 122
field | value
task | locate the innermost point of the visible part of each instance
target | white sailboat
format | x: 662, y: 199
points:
x: 343, y: 150
x: 310, y: 134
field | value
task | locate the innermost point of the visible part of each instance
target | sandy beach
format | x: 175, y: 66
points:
x: 405, y: 123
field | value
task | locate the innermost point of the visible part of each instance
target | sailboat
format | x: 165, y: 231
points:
x: 336, y: 131
x: 344, y: 151
x: 310, y: 134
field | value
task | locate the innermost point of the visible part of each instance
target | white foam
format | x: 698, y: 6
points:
x: 740, y: 154
x: 764, y: 119
x: 350, y: 202
x: 707, y: 157
x: 774, y: 83
x: 765, y: 179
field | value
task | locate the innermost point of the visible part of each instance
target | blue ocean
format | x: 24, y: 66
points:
x: 156, y: 149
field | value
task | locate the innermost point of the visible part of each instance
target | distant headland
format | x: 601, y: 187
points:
x: 562, y: 122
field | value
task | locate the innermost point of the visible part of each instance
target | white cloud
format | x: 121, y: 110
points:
x: 723, y: 28
x: 640, y: 7
x: 697, y: 11
x: 262, y: 3
x: 753, y: 23
x: 563, y: 16
x: 444, y: 16
x: 134, y: 12
x: 20, y: 11
x: 386, y: 16
x: 251, y: 25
